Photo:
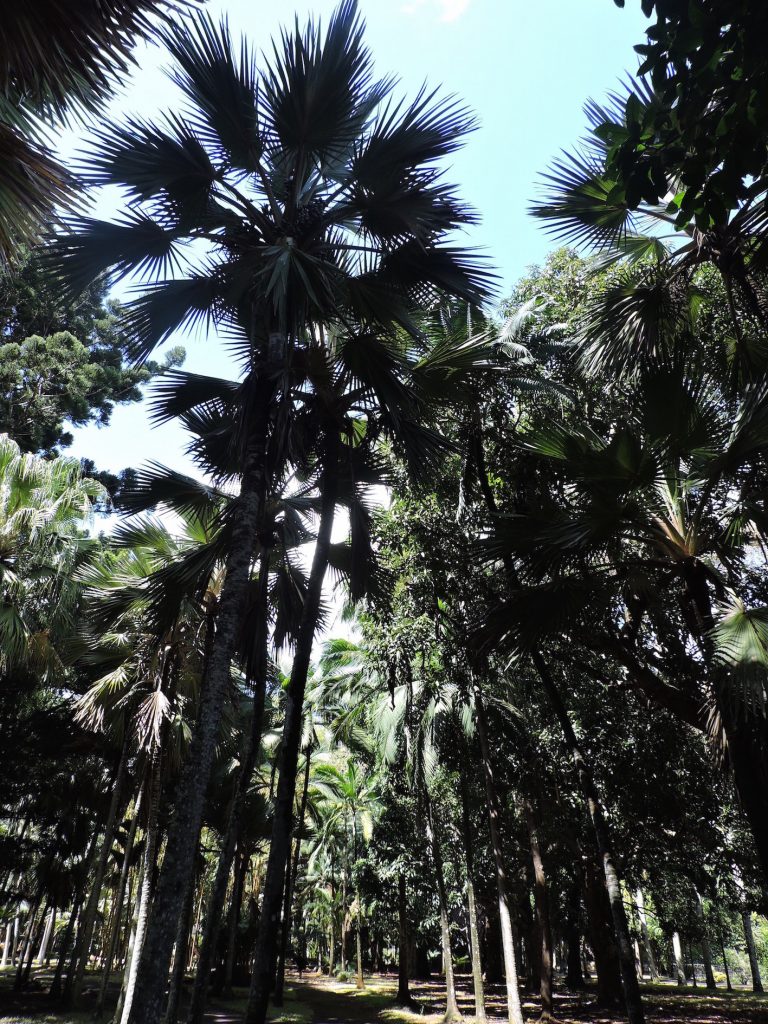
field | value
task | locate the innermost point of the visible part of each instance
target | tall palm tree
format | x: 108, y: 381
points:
x: 316, y: 199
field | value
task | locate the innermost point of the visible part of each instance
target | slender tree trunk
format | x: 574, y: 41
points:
x: 574, y: 977
x: 35, y: 941
x: 632, y: 998
x: 602, y: 938
x: 514, y: 1009
x: 746, y: 920
x: 451, y: 1006
x: 180, y: 957
x: 359, y: 981
x: 728, y: 984
x: 403, y: 997
x: 290, y: 882
x: 56, y: 984
x: 119, y: 898
x: 26, y: 945
x: 640, y: 904
x: 183, y: 835
x: 266, y: 941
x: 541, y: 901
x: 7, y: 945
x: 237, y: 811
x: 706, y: 952
x: 85, y: 933
x: 677, y: 956
x: 144, y: 897
x: 474, y: 930
x: 234, y: 917
x: 50, y: 924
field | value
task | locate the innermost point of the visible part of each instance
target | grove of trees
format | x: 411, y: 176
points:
x: 451, y: 658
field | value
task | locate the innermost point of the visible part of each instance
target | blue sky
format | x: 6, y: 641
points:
x: 525, y: 67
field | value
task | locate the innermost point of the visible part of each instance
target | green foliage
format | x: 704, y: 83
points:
x: 62, y: 361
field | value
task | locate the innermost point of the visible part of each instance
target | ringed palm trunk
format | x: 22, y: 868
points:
x: 541, y: 903
x: 219, y: 891
x: 279, y: 849
x: 514, y: 1009
x: 632, y: 998
x: 85, y: 934
x: 451, y: 1006
x: 183, y: 835
x: 474, y: 930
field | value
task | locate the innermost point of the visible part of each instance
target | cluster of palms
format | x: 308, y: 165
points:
x: 578, y: 510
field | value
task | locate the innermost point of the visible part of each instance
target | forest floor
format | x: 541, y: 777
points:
x: 318, y: 1000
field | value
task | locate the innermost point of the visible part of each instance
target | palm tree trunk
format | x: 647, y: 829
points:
x: 234, y: 917
x: 679, y: 962
x: 183, y: 835
x: 180, y: 957
x: 640, y: 904
x: 119, y: 898
x: 266, y: 941
x: 706, y: 951
x: 35, y: 941
x: 7, y: 945
x: 85, y: 933
x: 248, y: 760
x: 26, y: 945
x: 728, y: 984
x: 632, y: 997
x: 474, y: 930
x: 145, y: 893
x: 359, y: 980
x: 403, y: 997
x: 749, y: 937
x: 290, y: 882
x: 493, y: 807
x: 451, y: 1006
x: 574, y: 978
x: 541, y: 903
x: 55, y: 989
x: 50, y: 924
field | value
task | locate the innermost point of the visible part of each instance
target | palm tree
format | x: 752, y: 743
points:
x: 57, y: 61
x: 46, y: 507
x: 318, y: 201
x: 668, y: 500
x: 352, y: 799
